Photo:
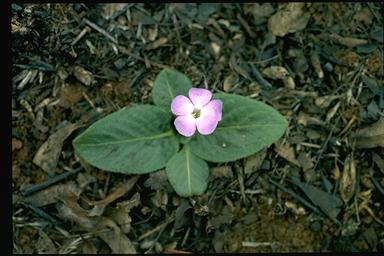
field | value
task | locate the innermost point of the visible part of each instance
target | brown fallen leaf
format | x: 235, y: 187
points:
x: 347, y: 41
x: 44, y: 244
x: 181, y: 218
x: 348, y: 179
x: 160, y: 199
x: 120, y: 214
x: 49, y: 152
x: 16, y: 144
x: 230, y: 81
x: 379, y: 161
x: 156, y: 44
x: 328, y: 203
x: 99, y: 206
x: 261, y: 12
x: 286, y: 152
x: 225, y: 217
x: 157, y: 180
x: 254, y: 162
x: 83, y: 75
x: 305, y: 161
x: 224, y: 171
x: 290, y: 19
x: 371, y: 136
x: 281, y: 73
x: 52, y: 194
x: 105, y: 228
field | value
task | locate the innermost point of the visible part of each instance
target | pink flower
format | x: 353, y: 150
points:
x: 197, y: 111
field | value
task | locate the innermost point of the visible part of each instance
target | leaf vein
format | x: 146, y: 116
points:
x: 145, y: 138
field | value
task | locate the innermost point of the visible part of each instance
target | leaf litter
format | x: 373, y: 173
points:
x: 319, y: 64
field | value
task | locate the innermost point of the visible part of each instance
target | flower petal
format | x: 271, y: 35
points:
x: 206, y: 125
x: 185, y: 125
x: 212, y: 109
x: 199, y: 97
x: 181, y: 105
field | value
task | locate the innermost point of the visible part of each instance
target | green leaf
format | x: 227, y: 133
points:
x: 187, y: 173
x: 168, y: 84
x: 246, y: 127
x: 138, y: 139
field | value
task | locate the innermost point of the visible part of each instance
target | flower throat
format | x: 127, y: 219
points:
x: 196, y: 113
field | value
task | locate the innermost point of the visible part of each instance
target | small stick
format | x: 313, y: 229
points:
x: 100, y: 30
x: 297, y: 197
x: 258, y: 244
x: 37, y: 187
x: 259, y: 77
x: 43, y: 214
x: 161, y: 226
x: 82, y: 33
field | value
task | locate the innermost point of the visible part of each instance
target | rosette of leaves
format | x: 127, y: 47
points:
x: 142, y: 138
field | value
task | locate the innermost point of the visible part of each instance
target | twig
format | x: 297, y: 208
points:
x: 43, y: 214
x: 264, y: 83
x: 100, y: 30
x: 258, y: 244
x: 41, y: 186
x: 175, y: 251
x: 79, y: 36
x: 164, y: 224
x: 294, y: 195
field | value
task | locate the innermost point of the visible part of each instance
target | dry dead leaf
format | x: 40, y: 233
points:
x: 157, y: 180
x: 221, y: 171
x: 325, y: 101
x: 379, y: 161
x: 261, y: 12
x: 230, y: 81
x: 70, y: 94
x: 286, y: 152
x: 371, y: 136
x: 254, y: 162
x: 315, y: 60
x: 83, y: 75
x: 99, y: 206
x: 156, y: 44
x: 238, y: 68
x: 348, y: 179
x: 120, y: 214
x: 44, y: 244
x: 52, y: 194
x: 180, y: 214
x: 305, y: 160
x: 347, y: 41
x: 290, y: 19
x: 49, y: 152
x: 16, y: 144
x: 277, y: 72
x: 110, y: 11
x: 106, y: 229
x: 328, y: 203
x: 160, y: 199
x: 225, y: 217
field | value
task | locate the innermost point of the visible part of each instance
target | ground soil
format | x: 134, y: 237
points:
x: 319, y: 188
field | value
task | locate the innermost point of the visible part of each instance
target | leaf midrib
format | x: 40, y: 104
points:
x: 169, y: 86
x: 188, y: 172
x: 145, y: 138
x: 246, y: 126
